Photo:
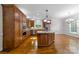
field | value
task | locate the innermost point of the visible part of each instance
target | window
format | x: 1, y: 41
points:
x: 38, y: 24
x: 78, y: 26
x: 73, y: 27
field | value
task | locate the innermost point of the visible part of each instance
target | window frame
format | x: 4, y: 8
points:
x: 74, y: 31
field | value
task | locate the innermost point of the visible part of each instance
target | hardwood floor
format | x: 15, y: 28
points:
x: 63, y: 44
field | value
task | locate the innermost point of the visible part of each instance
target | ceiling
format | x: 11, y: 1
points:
x: 37, y: 11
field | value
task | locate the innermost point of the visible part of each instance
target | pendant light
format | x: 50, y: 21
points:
x: 46, y: 19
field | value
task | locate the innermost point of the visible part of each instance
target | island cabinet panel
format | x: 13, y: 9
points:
x: 45, y: 39
x: 13, y: 19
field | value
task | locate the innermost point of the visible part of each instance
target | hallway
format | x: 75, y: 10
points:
x: 63, y: 44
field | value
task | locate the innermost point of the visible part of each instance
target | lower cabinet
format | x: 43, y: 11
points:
x: 45, y: 39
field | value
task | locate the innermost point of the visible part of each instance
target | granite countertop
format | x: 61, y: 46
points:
x: 45, y: 32
x: 36, y: 28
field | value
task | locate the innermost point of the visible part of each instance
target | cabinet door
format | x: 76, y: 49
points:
x: 17, y: 27
x: 21, y: 19
x: 31, y: 23
x: 8, y: 27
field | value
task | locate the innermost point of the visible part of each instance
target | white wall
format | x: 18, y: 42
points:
x: 66, y: 28
x: 57, y: 26
x: 1, y: 28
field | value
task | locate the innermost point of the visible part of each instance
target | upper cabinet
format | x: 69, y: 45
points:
x: 30, y: 23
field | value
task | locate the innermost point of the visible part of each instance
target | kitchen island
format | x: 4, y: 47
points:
x: 45, y: 38
x: 34, y: 30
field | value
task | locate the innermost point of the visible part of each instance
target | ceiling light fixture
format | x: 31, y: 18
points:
x: 69, y: 20
x: 46, y: 19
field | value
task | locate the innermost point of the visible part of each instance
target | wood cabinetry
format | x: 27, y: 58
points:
x: 30, y: 23
x: 43, y: 24
x: 45, y: 39
x: 13, y: 20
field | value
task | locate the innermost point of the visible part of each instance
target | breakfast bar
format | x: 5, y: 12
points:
x: 45, y: 38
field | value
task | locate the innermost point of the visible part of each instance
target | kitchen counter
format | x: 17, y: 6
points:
x: 45, y: 32
x: 36, y: 28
